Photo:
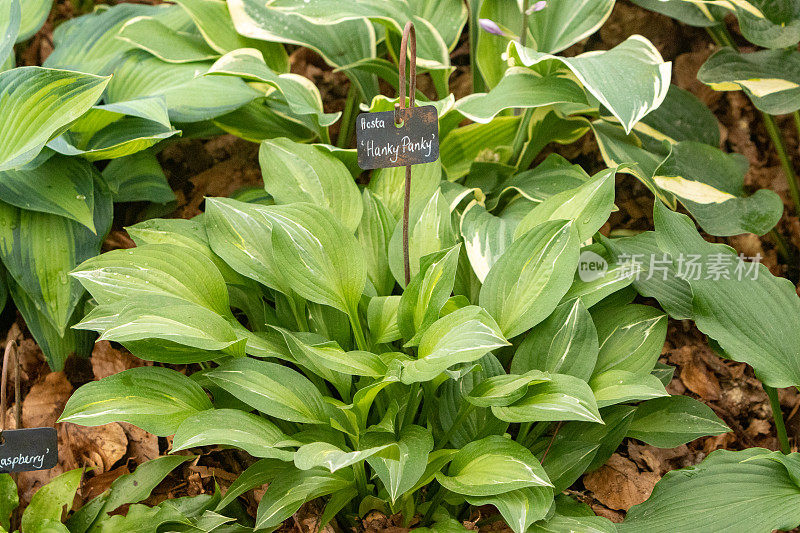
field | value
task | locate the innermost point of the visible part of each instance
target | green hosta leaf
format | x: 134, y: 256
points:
x: 150, y: 35
x: 522, y: 88
x: 427, y: 293
x: 486, y: 237
x: 767, y: 23
x: 490, y: 466
x: 681, y: 117
x: 61, y: 186
x: 562, y: 397
x: 230, y: 427
x: 752, y: 315
x: 520, y: 508
x: 388, y: 184
x: 401, y: 473
x: 382, y: 318
x: 588, y: 524
x: 618, y: 386
x: 273, y: 389
x: 301, y: 95
x: 10, y: 500
x: 9, y: 28
x: 332, y: 357
x: 374, y: 233
x: 447, y: 16
x: 550, y: 177
x: 430, y: 230
x: 89, y: 43
x: 324, y: 454
x: 138, y: 177
x: 740, y: 489
x: 699, y: 14
x: 524, y: 285
x: 262, y: 119
x: 155, y: 270
x: 631, y: 338
x: 291, y: 488
x: 48, y: 502
x: 320, y: 259
x: 657, y: 275
x: 463, y: 336
x: 301, y: 173
x: 504, y: 389
x: 770, y: 78
x: 565, y: 343
x: 588, y: 205
x: 339, y: 44
x: 34, y: 14
x: 190, y: 97
x: 155, y: 399
x: 477, y: 142
x: 635, y: 63
x: 674, y: 420
x: 46, y: 101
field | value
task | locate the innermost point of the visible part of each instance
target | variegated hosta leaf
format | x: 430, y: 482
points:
x: 447, y: 16
x: 34, y: 13
x: 522, y: 88
x: 300, y: 94
x: 165, y: 43
x: 115, y: 130
x: 767, y: 23
x: 556, y: 27
x: 339, y: 44
x: 138, y: 177
x: 190, y: 96
x: 10, y: 18
x: 770, y: 78
x: 38, y: 103
x: 692, y: 13
x: 519, y: 508
x: 634, y: 64
x: 486, y: 237
x: 751, y: 313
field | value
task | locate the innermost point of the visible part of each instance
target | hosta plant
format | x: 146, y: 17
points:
x: 497, y: 376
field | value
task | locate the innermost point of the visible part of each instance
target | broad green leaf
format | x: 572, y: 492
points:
x: 562, y: 397
x: 550, y: 177
x: 382, y: 318
x: 635, y: 63
x: 190, y: 97
x: 618, y: 386
x: 486, y: 237
x: 586, y: 524
x: 430, y: 230
x: 524, y: 285
x: 490, y: 466
x: 504, y: 389
x: 155, y: 399
x: 48, y: 502
x: 61, y: 186
x: 427, y: 293
x: 374, y: 233
x: 522, y: 88
x: 255, y: 475
x: 319, y: 258
x: 273, y: 389
x: 674, y: 420
x: 150, y: 35
x: 46, y: 101
x: 447, y: 16
x: 324, y: 454
x: 694, y: 14
x: 631, y: 338
x: 265, y: 118
x: 388, y: 184
x: 10, y: 20
x: 744, y: 489
x: 138, y: 177
x: 463, y: 336
x: 231, y: 427
x: 296, y: 172
x: 400, y: 474
x: 291, y: 488
x: 751, y: 314
x: 588, y: 205
x: 565, y: 343
x: 520, y: 508
x: 332, y: 357
x: 339, y: 44
x: 155, y: 270
x: 10, y: 499
x: 34, y: 14
x: 477, y: 142
x: 770, y: 78
x: 681, y: 117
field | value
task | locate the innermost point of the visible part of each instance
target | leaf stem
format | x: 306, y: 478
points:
x: 411, y: 407
x: 438, y: 496
x: 350, y: 106
x: 521, y: 137
x: 463, y: 412
x: 777, y: 415
x: 358, y: 331
x: 360, y: 474
x: 478, y: 86
x: 780, y: 148
x: 780, y: 245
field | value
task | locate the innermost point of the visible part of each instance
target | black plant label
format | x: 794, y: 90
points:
x: 23, y: 450
x: 382, y: 143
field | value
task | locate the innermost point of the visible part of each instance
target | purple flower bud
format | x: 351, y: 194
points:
x: 538, y: 6
x: 491, y: 26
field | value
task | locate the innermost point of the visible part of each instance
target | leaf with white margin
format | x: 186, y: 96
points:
x: 562, y: 397
x: 38, y: 103
x: 165, y: 43
x: 634, y: 64
x: 519, y: 508
x: 400, y: 472
x: 493, y: 465
x: 618, y: 386
x: 332, y: 457
x: 486, y: 237
x: 770, y: 78
x: 692, y: 13
x: 463, y: 336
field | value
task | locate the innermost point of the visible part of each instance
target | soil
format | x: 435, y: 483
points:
x: 220, y: 166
